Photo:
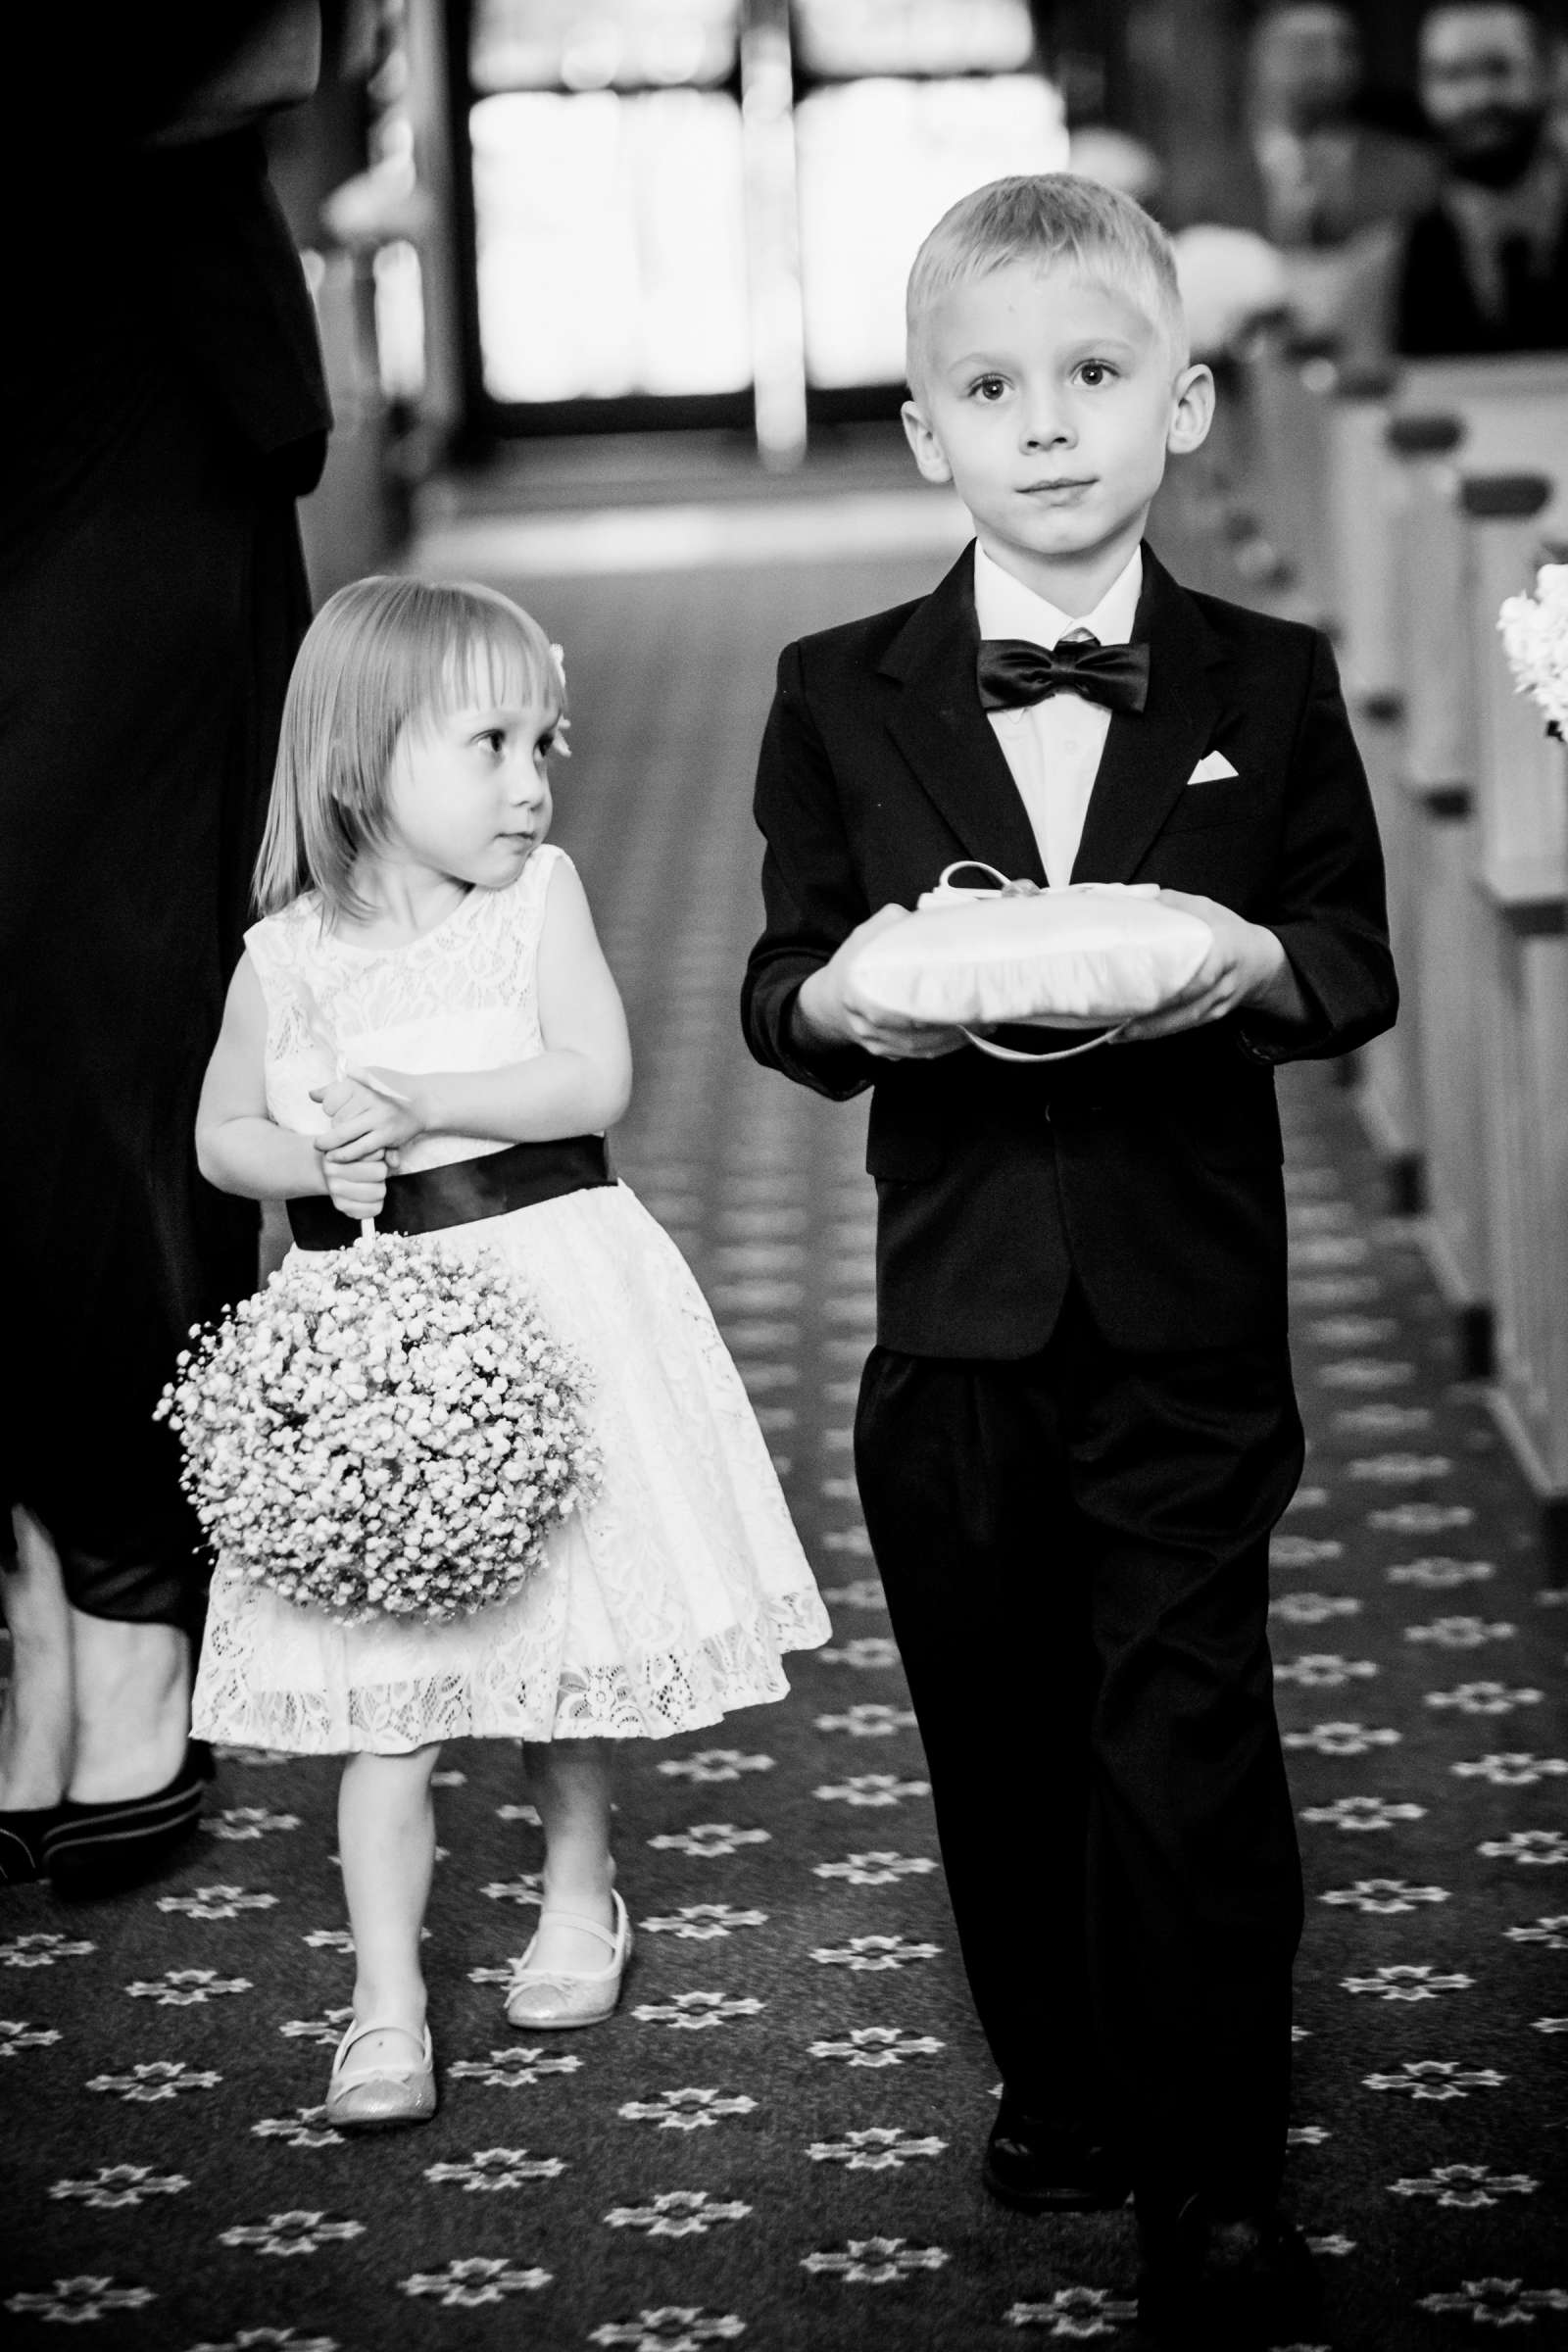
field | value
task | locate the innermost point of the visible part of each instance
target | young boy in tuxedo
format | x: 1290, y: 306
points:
x: 1078, y: 1427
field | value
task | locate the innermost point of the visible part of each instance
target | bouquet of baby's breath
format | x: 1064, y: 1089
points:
x: 1534, y: 638
x: 385, y: 1429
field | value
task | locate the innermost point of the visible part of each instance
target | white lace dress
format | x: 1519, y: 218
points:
x: 666, y: 1602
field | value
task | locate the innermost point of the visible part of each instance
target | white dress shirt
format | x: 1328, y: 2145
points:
x: 1054, y: 747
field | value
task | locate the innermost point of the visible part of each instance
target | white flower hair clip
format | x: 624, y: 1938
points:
x: 558, y: 656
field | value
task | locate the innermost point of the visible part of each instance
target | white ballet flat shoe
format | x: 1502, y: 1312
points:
x: 542, y: 1999
x: 380, y: 2097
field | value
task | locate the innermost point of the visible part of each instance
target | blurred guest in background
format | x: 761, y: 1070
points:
x: 1312, y: 172
x: 1315, y: 176
x: 1485, y: 267
x: 162, y: 409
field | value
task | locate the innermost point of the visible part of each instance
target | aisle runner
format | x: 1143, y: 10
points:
x: 776, y: 2141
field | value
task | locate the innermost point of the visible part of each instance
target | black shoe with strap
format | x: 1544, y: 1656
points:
x: 1226, y: 2285
x: 1038, y: 2167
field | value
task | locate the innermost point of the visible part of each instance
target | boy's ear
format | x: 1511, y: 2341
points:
x: 928, y: 451
x: 1193, y: 410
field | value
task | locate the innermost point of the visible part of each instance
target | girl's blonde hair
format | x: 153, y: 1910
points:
x: 381, y: 655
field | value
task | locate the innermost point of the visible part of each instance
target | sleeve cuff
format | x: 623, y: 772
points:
x: 1271, y: 1040
x: 838, y: 1072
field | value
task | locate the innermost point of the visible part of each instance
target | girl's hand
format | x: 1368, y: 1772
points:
x: 372, y: 1111
x: 356, y: 1187
x: 1246, y: 966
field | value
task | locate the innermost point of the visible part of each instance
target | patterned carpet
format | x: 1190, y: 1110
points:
x: 776, y: 2141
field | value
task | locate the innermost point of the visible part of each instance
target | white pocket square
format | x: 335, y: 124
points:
x: 1210, y: 768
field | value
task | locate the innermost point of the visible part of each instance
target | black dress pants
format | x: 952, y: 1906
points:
x: 150, y: 609
x: 1074, y: 1549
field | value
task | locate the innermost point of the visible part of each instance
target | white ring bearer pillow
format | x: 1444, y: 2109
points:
x: 1085, y: 955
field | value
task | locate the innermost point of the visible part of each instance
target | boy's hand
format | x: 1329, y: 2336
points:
x: 356, y: 1187
x: 1245, y: 965
x: 372, y: 1112
x: 831, y: 1012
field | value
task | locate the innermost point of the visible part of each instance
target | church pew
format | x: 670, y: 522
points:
x: 1286, y: 391
x: 1516, y: 414
x: 1424, y: 523
x: 1328, y: 500
x: 1504, y: 413
x: 1317, y: 500
x: 1360, y: 495
x: 1308, y: 432
x: 1451, y: 420
x: 1433, y: 859
x: 1334, y: 502
x: 1520, y: 881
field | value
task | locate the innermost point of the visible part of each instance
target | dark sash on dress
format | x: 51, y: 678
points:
x: 462, y: 1191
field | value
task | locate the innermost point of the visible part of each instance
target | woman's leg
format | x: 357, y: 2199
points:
x: 386, y: 1836
x: 133, y: 1707
x: 98, y: 1707
x: 570, y: 1780
x: 37, y: 1716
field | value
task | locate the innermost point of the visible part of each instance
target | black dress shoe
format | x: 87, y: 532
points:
x: 109, y: 1847
x: 1237, y: 2285
x: 22, y: 1844
x: 1034, y: 2167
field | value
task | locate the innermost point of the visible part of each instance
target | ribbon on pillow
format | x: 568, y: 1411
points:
x: 944, y: 895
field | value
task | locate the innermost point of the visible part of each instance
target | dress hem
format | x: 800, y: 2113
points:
x: 571, y: 1722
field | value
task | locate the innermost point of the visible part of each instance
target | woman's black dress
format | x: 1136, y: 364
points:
x: 165, y: 406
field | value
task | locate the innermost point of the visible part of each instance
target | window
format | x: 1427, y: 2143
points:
x: 601, y: 44
x: 844, y: 38
x: 609, y: 211
x: 879, y: 162
x: 610, y: 244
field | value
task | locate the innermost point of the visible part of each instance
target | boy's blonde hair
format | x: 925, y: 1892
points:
x: 1047, y: 218
x: 381, y: 655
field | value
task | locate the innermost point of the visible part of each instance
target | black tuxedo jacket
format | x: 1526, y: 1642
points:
x: 1152, y: 1172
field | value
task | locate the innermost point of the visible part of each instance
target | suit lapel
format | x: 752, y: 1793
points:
x: 1148, y: 757
x: 945, y: 735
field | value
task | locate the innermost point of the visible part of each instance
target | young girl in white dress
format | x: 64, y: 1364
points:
x: 420, y: 936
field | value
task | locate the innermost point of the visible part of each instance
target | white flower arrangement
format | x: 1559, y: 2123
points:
x: 1534, y: 638
x: 384, y: 1429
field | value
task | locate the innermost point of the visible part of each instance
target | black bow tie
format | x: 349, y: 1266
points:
x: 1012, y: 673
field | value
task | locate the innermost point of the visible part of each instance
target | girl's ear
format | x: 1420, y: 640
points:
x: 929, y: 454
x: 1193, y: 410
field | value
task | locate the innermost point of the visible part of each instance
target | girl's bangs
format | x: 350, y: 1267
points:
x: 494, y: 658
